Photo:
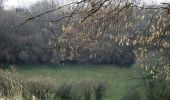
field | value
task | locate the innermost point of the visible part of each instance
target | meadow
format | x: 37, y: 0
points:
x: 118, y: 79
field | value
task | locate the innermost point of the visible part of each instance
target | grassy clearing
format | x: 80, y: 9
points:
x: 117, y: 79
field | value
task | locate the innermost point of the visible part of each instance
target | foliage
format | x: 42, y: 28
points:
x: 83, y: 90
x: 100, y: 91
x: 156, y: 78
x: 26, y: 44
x: 166, y: 94
x: 63, y: 93
x: 152, y: 38
x: 132, y: 94
x: 40, y: 41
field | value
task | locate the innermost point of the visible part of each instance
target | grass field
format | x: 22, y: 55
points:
x: 117, y: 79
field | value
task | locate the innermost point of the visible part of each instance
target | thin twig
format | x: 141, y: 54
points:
x: 31, y: 18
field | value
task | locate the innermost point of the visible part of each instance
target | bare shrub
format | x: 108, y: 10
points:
x: 167, y: 94
x: 87, y: 89
x: 63, y: 93
x: 132, y: 94
x: 83, y: 90
x: 10, y: 84
x: 100, y: 90
x: 41, y: 88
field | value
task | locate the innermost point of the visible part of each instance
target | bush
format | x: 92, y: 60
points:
x: 80, y: 91
x: 166, y: 95
x: 156, y: 89
x: 100, y: 91
x: 44, y: 88
x: 132, y: 94
x: 63, y: 93
x: 10, y: 85
x: 39, y: 87
x: 86, y: 89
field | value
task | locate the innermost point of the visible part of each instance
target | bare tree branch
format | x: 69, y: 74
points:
x: 151, y: 20
x: 34, y: 17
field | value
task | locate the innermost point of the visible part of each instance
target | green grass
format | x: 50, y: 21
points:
x: 117, y: 79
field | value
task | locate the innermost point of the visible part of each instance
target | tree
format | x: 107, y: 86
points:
x: 120, y: 22
x: 25, y: 45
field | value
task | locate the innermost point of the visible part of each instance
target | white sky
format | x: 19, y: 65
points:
x: 8, y: 4
x: 155, y: 1
x: 26, y: 3
x: 18, y: 3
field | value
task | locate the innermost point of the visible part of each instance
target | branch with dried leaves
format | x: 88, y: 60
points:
x: 95, y: 8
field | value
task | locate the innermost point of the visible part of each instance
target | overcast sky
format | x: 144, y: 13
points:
x: 26, y: 3
x: 8, y: 4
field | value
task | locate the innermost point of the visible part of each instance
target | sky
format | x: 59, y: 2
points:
x: 155, y: 1
x: 8, y: 4
x: 26, y: 3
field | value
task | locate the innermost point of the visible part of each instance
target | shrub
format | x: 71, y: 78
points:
x: 156, y: 89
x: 87, y: 94
x: 10, y: 85
x: 87, y: 90
x: 63, y: 93
x: 155, y: 81
x: 80, y: 91
x: 39, y: 87
x: 100, y: 91
x: 167, y: 94
x: 132, y: 94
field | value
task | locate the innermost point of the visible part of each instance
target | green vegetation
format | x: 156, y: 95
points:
x: 117, y: 79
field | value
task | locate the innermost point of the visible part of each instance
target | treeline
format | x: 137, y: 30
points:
x: 30, y: 43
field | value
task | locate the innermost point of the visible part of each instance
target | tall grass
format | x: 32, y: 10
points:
x: 84, y: 90
x: 10, y: 84
x: 40, y: 88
